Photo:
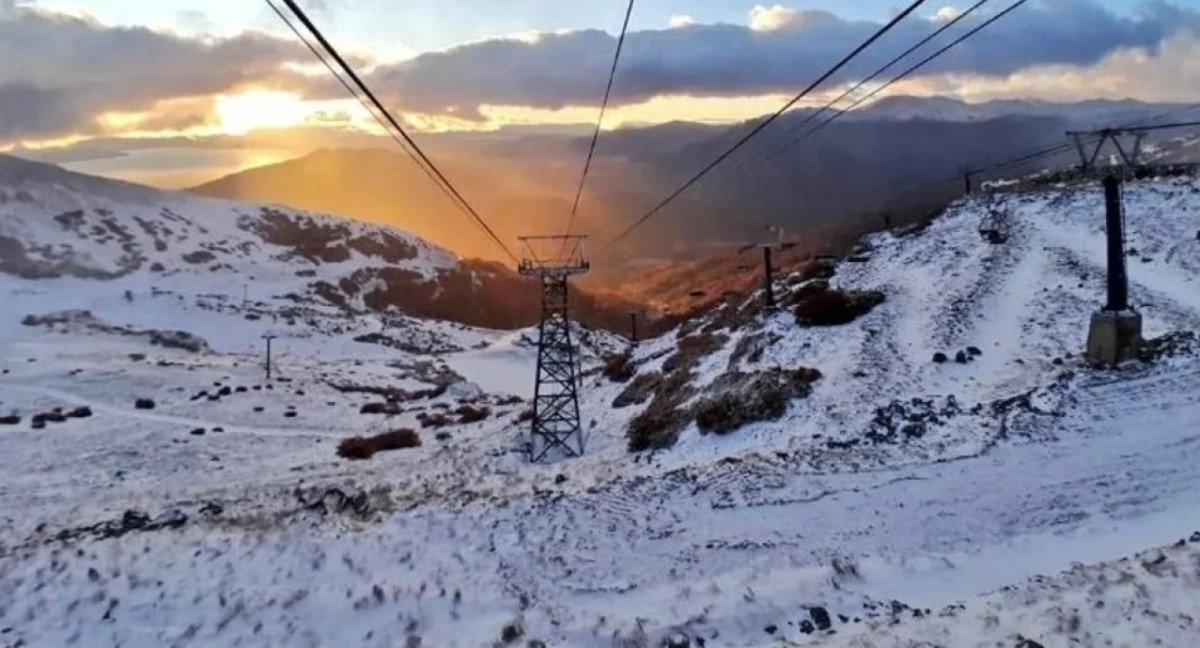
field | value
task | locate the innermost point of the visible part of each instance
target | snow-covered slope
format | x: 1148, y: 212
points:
x: 56, y: 224
x: 889, y: 478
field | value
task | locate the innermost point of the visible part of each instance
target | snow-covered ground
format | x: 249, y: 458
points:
x: 1027, y: 463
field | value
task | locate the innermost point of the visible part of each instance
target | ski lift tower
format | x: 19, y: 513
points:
x: 555, y: 431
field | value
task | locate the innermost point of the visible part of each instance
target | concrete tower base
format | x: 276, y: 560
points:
x: 1114, y: 337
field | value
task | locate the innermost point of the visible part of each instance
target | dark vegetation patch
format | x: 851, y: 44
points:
x: 85, y: 320
x: 199, y: 256
x: 743, y: 398
x: 471, y: 414
x: 734, y: 316
x: 434, y: 420
x: 1169, y: 345
x: 835, y: 307
x: 391, y: 394
x: 324, y: 241
x: 659, y: 425
x: 390, y: 409
x: 691, y: 349
x: 360, y: 448
x: 424, y: 347
x: 619, y: 368
x: 639, y: 391
x: 129, y: 522
x: 752, y: 347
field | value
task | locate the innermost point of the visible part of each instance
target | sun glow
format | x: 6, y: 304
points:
x: 241, y: 113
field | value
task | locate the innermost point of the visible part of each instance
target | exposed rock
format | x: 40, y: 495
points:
x: 940, y: 358
x: 12, y: 419
x: 512, y: 632
x: 820, y: 618
x: 144, y: 404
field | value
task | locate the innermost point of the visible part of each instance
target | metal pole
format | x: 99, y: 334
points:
x: 1118, y: 280
x: 768, y: 277
x: 633, y: 333
x: 268, y: 358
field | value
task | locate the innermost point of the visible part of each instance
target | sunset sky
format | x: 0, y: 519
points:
x: 79, y: 80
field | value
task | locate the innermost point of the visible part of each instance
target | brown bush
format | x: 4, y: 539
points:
x: 639, y: 391
x: 435, y: 420
x: 619, y: 368
x: 748, y: 398
x: 657, y: 427
x: 752, y: 347
x: 660, y: 424
x: 836, y: 307
x: 689, y: 350
x: 359, y: 448
x: 471, y: 414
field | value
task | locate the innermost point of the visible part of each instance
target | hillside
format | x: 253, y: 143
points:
x: 751, y: 478
x: 56, y: 224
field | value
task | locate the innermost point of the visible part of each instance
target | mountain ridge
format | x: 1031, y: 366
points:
x: 58, y: 224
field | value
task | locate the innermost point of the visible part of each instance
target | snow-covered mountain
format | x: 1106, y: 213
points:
x: 56, y: 224
x: 912, y: 428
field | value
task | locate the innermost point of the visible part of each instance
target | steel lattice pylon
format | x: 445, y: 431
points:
x: 555, y: 431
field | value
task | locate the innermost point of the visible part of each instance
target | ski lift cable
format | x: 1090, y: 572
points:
x: 763, y: 125
x: 444, y: 183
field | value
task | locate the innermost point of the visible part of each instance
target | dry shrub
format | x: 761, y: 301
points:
x: 836, y: 307
x: 821, y: 269
x: 434, y: 420
x: 660, y: 424
x: 638, y: 391
x: 359, y: 448
x: 748, y: 398
x: 733, y: 316
x: 689, y: 350
x: 471, y: 414
x: 752, y: 347
x: 619, y: 368
x: 657, y: 427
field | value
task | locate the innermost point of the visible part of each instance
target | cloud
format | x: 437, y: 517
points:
x: 947, y: 13
x: 62, y: 70
x: 771, y: 18
x: 679, y: 21
x: 781, y: 51
x: 1172, y: 74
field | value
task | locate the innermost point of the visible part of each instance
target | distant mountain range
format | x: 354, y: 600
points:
x: 894, y: 157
